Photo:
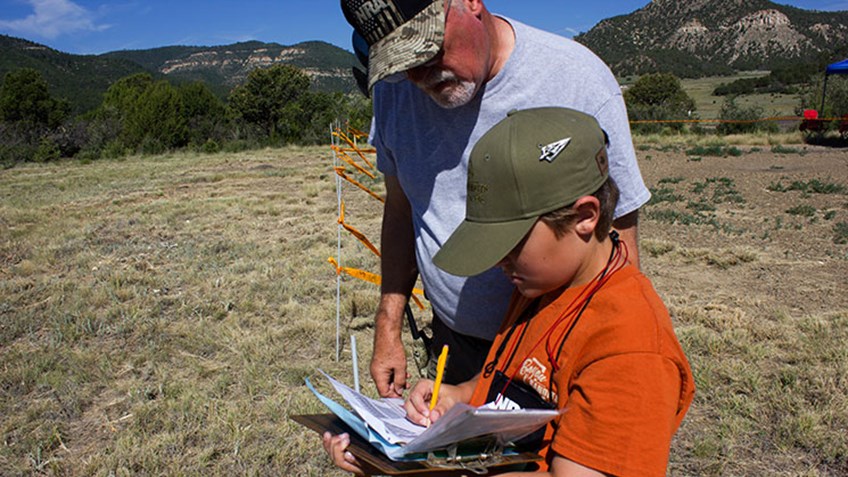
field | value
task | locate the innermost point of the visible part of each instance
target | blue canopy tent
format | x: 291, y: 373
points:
x: 838, y: 68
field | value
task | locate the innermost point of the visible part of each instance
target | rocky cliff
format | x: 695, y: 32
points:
x: 697, y: 37
x: 224, y: 67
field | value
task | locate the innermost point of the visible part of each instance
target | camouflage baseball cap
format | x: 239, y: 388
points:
x: 533, y: 162
x: 401, y: 34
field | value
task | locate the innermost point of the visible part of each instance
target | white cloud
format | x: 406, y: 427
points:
x: 53, y: 18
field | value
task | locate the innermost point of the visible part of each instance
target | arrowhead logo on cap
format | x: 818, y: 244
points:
x: 552, y: 150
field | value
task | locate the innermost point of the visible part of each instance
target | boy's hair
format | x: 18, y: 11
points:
x: 561, y: 220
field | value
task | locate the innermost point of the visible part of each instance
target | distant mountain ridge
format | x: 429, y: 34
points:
x: 79, y: 78
x: 224, y: 67
x: 708, y: 37
x: 83, y: 78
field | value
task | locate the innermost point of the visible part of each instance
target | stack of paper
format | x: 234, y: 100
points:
x: 383, y: 423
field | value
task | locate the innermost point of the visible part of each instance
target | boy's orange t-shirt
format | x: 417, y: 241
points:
x: 623, y: 381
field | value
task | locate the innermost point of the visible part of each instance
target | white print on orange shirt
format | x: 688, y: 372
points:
x: 534, y: 373
x: 502, y: 403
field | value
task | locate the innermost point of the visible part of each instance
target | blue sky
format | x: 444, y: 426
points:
x: 97, y: 26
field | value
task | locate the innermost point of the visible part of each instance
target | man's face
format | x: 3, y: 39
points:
x: 453, y: 77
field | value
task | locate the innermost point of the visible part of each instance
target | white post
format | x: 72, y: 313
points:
x: 355, y: 363
x: 335, y: 142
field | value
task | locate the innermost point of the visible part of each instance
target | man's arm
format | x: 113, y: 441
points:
x: 628, y: 229
x: 399, y: 269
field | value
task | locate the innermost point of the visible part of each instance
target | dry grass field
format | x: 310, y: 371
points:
x: 158, y: 314
x: 709, y: 106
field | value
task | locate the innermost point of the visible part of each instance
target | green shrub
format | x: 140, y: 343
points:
x: 816, y: 186
x: 712, y: 150
x: 87, y: 155
x: 700, y: 206
x: 742, y: 120
x: 733, y: 151
x: 673, y: 217
x: 114, y: 149
x: 813, y: 186
x: 840, y: 231
x: 46, y: 151
x: 239, y: 145
x: 780, y: 149
x: 802, y: 210
x: 658, y: 97
x: 152, y: 146
x: 10, y: 154
x: 664, y: 194
x: 211, y: 147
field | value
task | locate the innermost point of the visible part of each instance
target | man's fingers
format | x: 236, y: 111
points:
x: 388, y: 367
x: 400, y: 384
x: 384, y: 388
x: 387, y: 380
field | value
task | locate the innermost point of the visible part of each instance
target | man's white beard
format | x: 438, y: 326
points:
x: 457, y: 93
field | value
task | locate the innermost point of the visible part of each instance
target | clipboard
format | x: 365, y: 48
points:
x: 376, y: 463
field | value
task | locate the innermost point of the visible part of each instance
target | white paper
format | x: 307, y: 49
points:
x: 387, y: 418
x: 463, y: 422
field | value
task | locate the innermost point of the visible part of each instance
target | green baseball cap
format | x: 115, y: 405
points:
x: 533, y: 162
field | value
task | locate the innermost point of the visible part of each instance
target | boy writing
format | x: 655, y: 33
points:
x: 585, y: 332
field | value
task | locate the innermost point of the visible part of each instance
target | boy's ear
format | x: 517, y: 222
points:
x: 588, y: 213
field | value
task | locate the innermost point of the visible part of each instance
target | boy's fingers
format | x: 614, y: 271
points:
x: 336, y: 447
x: 327, y: 440
x: 417, y: 405
x: 419, y: 402
x: 413, y: 414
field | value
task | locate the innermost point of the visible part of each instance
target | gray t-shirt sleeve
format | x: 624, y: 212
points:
x: 624, y: 168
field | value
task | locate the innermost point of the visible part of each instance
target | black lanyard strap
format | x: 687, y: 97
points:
x: 525, y: 315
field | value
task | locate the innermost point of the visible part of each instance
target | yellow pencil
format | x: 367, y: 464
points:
x: 440, y: 371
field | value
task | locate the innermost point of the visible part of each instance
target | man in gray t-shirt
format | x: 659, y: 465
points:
x: 453, y: 70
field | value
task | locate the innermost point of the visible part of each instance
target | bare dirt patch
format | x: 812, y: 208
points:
x: 749, y: 252
x: 782, y: 244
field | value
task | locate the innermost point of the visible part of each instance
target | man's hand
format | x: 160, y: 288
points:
x: 388, y: 363
x: 399, y: 269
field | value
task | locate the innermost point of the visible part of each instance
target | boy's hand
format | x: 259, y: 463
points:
x: 418, y: 404
x: 336, y: 447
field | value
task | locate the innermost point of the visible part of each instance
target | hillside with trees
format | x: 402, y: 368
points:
x: 716, y: 37
x: 143, y: 113
x: 81, y: 79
